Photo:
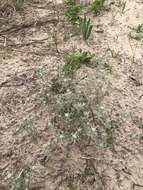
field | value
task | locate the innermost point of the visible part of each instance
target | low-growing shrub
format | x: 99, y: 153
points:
x: 74, y: 60
x: 72, y: 115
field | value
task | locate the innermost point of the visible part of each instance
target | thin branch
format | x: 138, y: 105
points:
x: 27, y: 44
x: 137, y: 185
x: 16, y: 28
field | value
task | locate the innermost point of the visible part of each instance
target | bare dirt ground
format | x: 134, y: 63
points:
x: 30, y: 56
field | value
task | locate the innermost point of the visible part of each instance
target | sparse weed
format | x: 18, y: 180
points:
x: 97, y: 6
x: 85, y: 27
x: 72, y: 12
x: 73, y: 61
x: 21, y: 181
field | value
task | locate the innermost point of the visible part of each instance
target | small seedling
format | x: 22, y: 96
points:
x: 85, y: 27
x: 97, y: 6
x: 72, y: 12
x: 73, y: 61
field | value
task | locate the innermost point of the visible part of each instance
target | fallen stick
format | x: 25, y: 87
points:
x: 16, y: 28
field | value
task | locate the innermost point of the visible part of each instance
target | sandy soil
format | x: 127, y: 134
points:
x: 27, y: 48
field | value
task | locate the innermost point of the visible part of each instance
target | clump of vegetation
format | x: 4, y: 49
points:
x: 74, y: 60
x: 85, y: 27
x: 22, y: 180
x: 73, y: 118
x: 72, y: 12
x: 97, y: 6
